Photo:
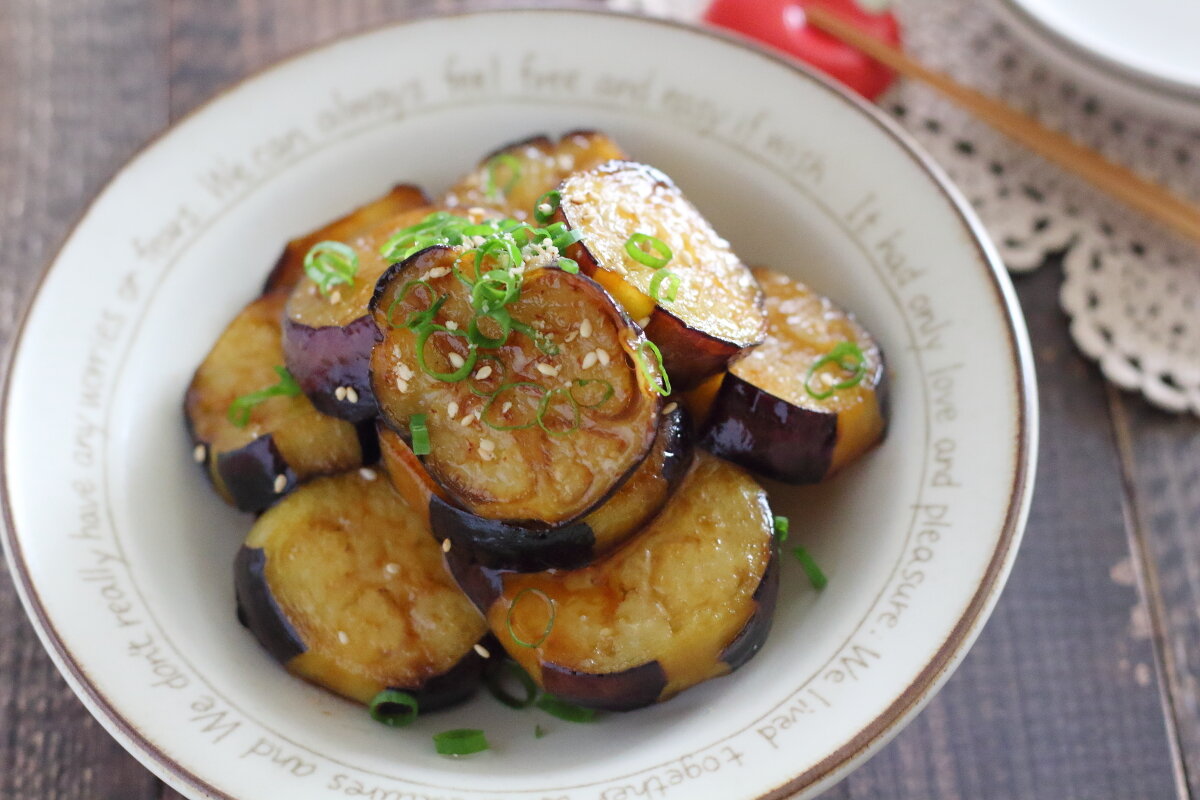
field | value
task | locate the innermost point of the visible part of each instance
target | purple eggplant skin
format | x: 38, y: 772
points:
x: 257, y: 609
x: 247, y: 475
x: 456, y: 685
x: 530, y: 547
x: 482, y: 585
x: 324, y: 359
x: 753, y: 636
x: 630, y: 689
x: 769, y: 436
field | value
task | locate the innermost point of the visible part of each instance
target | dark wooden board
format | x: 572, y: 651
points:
x: 1060, y: 698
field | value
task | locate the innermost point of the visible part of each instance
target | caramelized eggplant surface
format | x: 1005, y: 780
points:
x: 508, y: 545
x: 284, y: 440
x: 809, y: 400
x: 687, y: 599
x: 289, y: 269
x: 343, y: 584
x: 540, y: 429
x: 512, y: 179
x: 716, y: 310
x: 328, y: 335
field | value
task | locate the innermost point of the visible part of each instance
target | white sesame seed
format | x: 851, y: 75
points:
x: 589, y: 361
x: 585, y: 328
x: 487, y: 444
x: 483, y: 651
x: 340, y: 393
x: 392, y: 569
x: 670, y: 408
x: 368, y: 474
x: 570, y: 337
x: 456, y: 360
x: 467, y: 419
x: 438, y: 272
x: 602, y: 357
x: 199, y: 453
x: 643, y: 322
x: 451, y: 325
x: 280, y: 483
x: 547, y: 370
x: 452, y: 409
x: 405, y: 372
x: 486, y: 455
x: 401, y: 385
x: 504, y: 409
x: 445, y: 545
x: 351, y: 394
x: 476, y: 211
x: 336, y: 297
x: 343, y: 638
x: 545, y: 208
x: 483, y: 372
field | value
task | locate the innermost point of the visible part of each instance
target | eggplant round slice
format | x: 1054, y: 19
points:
x: 809, y: 400
x: 512, y: 179
x: 690, y: 598
x: 541, y: 429
x: 342, y: 583
x: 328, y: 336
x: 716, y: 311
x: 284, y: 440
x: 289, y: 269
x: 508, y: 545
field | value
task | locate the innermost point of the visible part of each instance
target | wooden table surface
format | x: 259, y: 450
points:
x: 1084, y: 684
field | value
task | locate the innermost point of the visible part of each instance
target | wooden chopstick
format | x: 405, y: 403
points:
x: 1149, y: 198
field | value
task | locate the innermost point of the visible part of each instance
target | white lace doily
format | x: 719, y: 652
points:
x: 1132, y: 288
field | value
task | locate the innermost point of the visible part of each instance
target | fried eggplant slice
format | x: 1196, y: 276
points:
x: 289, y: 269
x: 508, y: 545
x: 512, y: 179
x: 343, y: 584
x: 809, y: 400
x: 328, y: 335
x: 716, y: 313
x: 540, y: 429
x: 284, y: 440
x: 687, y: 599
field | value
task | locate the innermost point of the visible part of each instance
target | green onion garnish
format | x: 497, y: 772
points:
x: 672, y: 289
x: 582, y: 382
x: 848, y: 357
x: 449, y: 377
x: 329, y: 264
x: 659, y: 381
x: 460, y: 742
x: 658, y: 256
x: 781, y: 528
x: 569, y: 265
x: 395, y: 708
x: 564, y: 710
x: 544, y: 407
x: 815, y: 576
x: 416, y: 318
x: 548, y: 600
x: 546, y: 205
x: 493, y: 164
x: 479, y: 339
x: 483, y: 415
x: 495, y: 678
x: 540, y: 340
x: 239, y: 410
x: 420, y: 435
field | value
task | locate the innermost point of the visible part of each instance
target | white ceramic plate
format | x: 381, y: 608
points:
x: 1142, y: 51
x: 122, y: 553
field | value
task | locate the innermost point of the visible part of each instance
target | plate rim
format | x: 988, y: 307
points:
x: 873, y: 736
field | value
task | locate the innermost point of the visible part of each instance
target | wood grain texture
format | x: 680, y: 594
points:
x: 1060, y: 697
x: 82, y: 85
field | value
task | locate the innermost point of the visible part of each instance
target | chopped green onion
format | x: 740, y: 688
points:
x: 553, y: 199
x: 410, y: 322
x: 568, y: 265
x: 815, y: 576
x: 495, y: 289
x: 539, y: 732
x: 781, y: 528
x: 849, y: 357
x: 545, y: 407
x: 479, y: 339
x: 514, y: 168
x: 498, y: 371
x: 608, y: 391
x: 496, y: 395
x: 540, y: 340
x: 460, y: 742
x: 239, y: 410
x: 329, y: 264
x: 672, y: 289
x: 658, y: 256
x: 448, y: 377
x: 564, y: 710
x: 420, y: 435
x: 507, y: 668
x: 659, y: 381
x: 548, y: 600
x: 395, y: 708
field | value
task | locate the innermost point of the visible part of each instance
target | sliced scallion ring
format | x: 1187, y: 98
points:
x: 394, y: 708
x: 672, y: 289
x: 330, y: 264
x: 449, y: 377
x: 483, y: 415
x: 546, y: 205
x: 609, y: 391
x: 849, y: 357
x: 553, y: 612
x: 657, y: 256
x: 564, y: 710
x: 239, y: 410
x: 420, y: 435
x: 460, y: 742
x: 509, y: 670
x: 659, y: 381
x: 544, y: 407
